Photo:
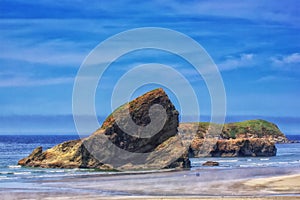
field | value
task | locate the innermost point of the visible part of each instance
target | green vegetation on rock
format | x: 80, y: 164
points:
x: 246, y: 129
x: 251, y: 128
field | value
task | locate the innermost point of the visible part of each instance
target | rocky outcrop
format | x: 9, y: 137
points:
x: 238, y: 130
x: 137, y: 121
x: 248, y: 138
x: 145, y: 134
x: 232, y: 148
x: 210, y: 163
x: 254, y: 129
x: 112, y: 148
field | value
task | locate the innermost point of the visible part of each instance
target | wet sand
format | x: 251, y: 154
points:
x: 286, y: 184
x: 94, y: 197
x: 210, y: 183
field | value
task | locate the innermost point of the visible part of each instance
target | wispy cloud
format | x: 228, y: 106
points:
x: 41, y: 40
x: 267, y: 11
x: 56, y: 52
x: 243, y: 60
x: 286, y: 60
x: 272, y: 78
x: 26, y: 82
x: 59, y: 42
x: 266, y: 79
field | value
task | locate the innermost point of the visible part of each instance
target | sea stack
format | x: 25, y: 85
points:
x: 240, y: 139
x: 112, y: 148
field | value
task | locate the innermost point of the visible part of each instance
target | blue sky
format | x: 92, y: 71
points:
x: 255, y: 45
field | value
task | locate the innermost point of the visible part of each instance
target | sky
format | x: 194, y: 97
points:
x: 255, y: 45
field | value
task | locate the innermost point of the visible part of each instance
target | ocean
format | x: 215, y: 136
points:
x: 13, y: 148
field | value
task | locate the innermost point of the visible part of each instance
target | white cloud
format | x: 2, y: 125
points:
x: 25, y: 81
x: 47, y: 41
x: 294, y: 58
x: 243, y: 60
x: 52, y: 53
x: 286, y: 60
x: 283, y: 12
x: 272, y: 78
x: 266, y: 79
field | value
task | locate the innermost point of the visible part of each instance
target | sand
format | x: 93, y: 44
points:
x: 232, y: 184
x: 93, y: 197
x: 285, y: 184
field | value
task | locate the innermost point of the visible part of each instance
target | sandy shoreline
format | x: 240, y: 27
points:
x: 286, y: 184
x: 211, y: 183
x: 94, y: 197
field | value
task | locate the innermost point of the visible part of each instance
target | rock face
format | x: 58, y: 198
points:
x: 248, y: 138
x: 139, y: 111
x: 232, y: 148
x: 111, y: 148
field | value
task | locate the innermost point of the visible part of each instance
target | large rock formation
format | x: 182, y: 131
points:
x: 110, y: 147
x: 238, y: 130
x: 232, y: 148
x: 154, y: 142
x: 247, y: 138
x: 253, y: 129
x: 140, y: 116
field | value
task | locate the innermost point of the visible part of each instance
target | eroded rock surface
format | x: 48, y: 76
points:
x: 232, y: 148
x: 247, y: 138
x: 110, y: 147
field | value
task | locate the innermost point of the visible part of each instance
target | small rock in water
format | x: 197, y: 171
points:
x: 210, y: 163
x: 197, y: 174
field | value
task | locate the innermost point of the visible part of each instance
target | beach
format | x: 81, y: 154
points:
x: 286, y: 184
x: 210, y: 183
x: 236, y: 178
x: 135, y: 100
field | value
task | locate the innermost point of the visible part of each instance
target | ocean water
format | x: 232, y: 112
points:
x: 288, y: 155
x: 14, y: 148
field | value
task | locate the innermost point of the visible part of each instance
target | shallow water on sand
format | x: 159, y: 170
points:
x: 16, y: 178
